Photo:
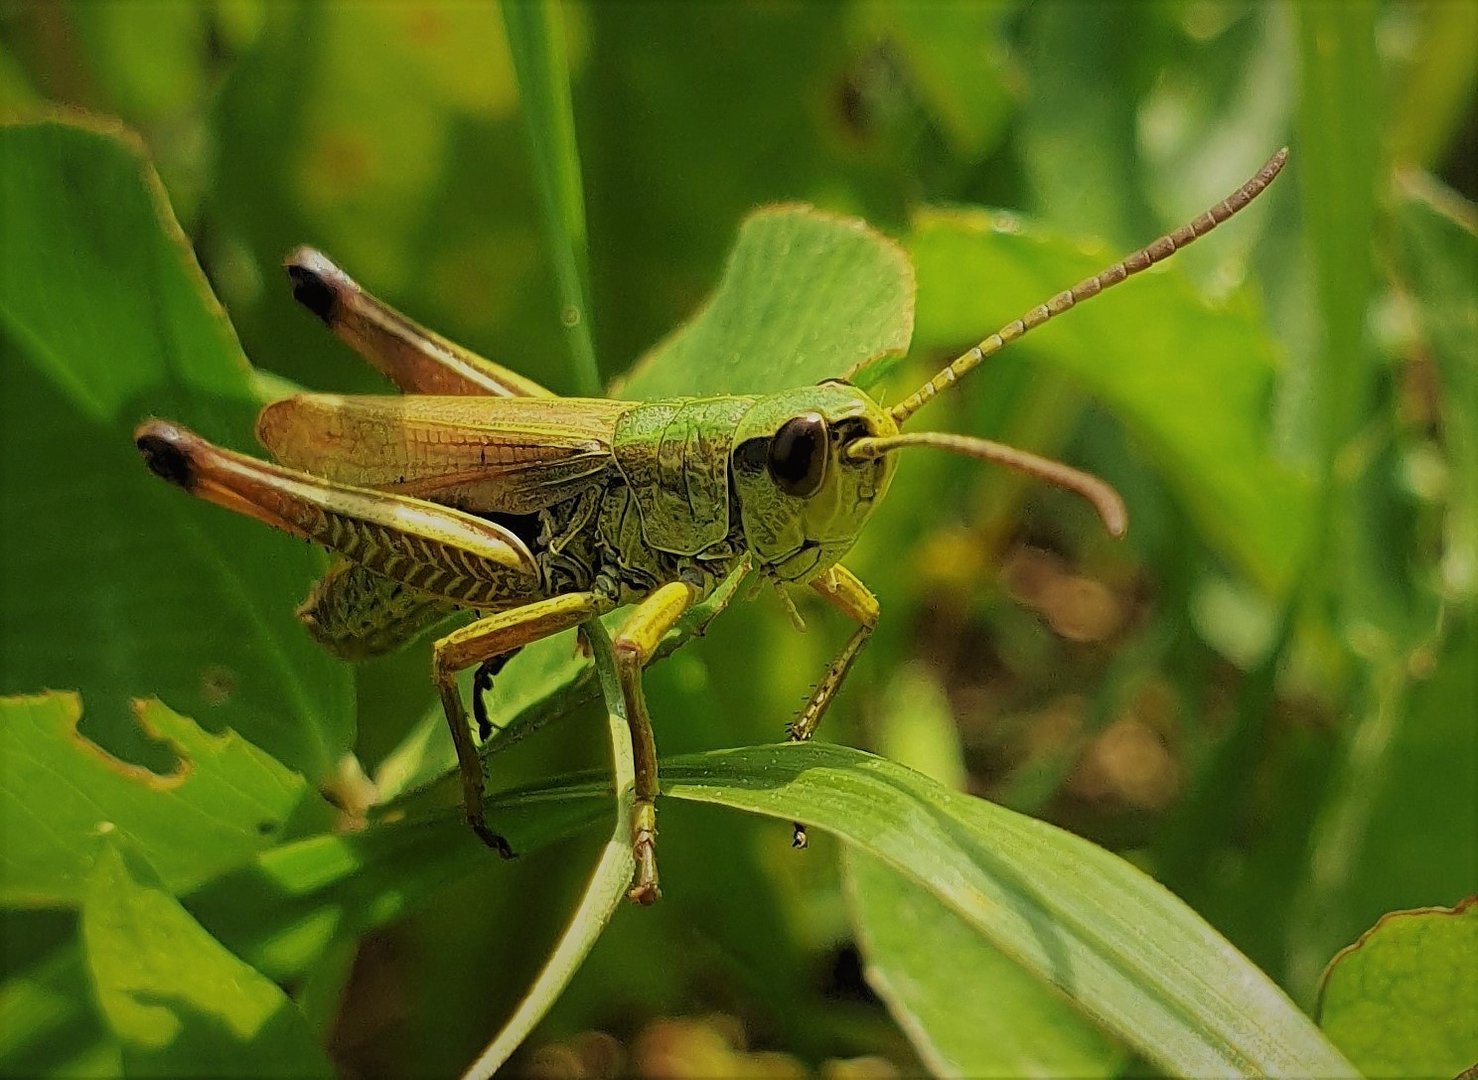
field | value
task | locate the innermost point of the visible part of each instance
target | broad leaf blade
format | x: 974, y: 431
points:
x: 805, y: 296
x: 967, y: 1008
x: 121, y: 586
x: 1131, y: 955
x: 177, y: 1000
x: 223, y: 801
x: 1402, y: 1001
x: 924, y: 961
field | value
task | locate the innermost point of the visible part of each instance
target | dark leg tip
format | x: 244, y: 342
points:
x: 165, y: 450
x: 317, y: 282
x: 798, y: 838
x: 313, y: 293
x: 493, y: 840
x: 646, y: 894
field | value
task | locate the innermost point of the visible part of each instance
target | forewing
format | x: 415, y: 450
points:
x: 507, y: 455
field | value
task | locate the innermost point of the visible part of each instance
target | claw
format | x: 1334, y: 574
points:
x: 492, y: 839
x: 482, y: 685
x: 644, y: 889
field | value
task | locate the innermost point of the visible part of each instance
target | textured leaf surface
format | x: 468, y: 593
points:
x: 176, y: 999
x: 60, y: 794
x: 805, y: 296
x: 1402, y: 1001
x: 123, y: 587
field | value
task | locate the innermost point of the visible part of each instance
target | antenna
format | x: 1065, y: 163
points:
x: 1142, y: 259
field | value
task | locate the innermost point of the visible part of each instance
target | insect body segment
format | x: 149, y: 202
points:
x: 674, y: 456
x: 479, y: 489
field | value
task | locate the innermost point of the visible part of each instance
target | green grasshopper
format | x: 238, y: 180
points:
x: 479, y: 489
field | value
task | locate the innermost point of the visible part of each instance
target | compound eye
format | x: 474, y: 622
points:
x: 798, y: 454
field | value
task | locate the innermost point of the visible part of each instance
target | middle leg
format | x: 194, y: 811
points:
x: 634, y: 647
x: 477, y: 643
x: 845, y: 592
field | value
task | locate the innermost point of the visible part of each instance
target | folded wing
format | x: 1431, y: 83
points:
x: 479, y: 454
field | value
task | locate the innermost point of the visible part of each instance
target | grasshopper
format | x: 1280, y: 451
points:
x: 481, y: 490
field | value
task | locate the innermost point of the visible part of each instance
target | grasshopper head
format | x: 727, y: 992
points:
x: 803, y: 498
x: 809, y: 465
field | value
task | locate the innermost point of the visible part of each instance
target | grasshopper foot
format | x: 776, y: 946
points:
x: 798, y: 838
x: 644, y: 889
x: 491, y: 839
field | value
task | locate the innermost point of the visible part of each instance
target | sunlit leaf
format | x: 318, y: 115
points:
x: 1402, y: 1000
x: 61, y: 795
x: 1133, y: 957
x: 805, y: 296
x: 176, y: 999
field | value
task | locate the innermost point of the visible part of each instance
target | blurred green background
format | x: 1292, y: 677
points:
x: 1264, y: 695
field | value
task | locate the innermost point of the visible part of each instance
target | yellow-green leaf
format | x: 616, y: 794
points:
x: 177, y: 1000
x: 1403, y: 1000
x: 61, y: 794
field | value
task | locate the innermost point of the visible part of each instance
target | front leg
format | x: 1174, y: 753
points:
x: 634, y: 647
x: 477, y: 643
x: 847, y: 594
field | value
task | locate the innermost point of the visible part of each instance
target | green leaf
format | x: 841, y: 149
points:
x: 290, y: 903
x: 924, y: 961
x: 48, y: 1025
x: 1435, y: 89
x: 805, y: 296
x: 954, y: 56
x: 146, y: 68
x: 1191, y: 380
x: 1078, y: 143
x: 60, y: 795
x: 1339, y: 170
x: 283, y: 910
x: 536, y: 42
x: 968, y: 1009
x: 179, y: 1002
x: 1402, y: 1001
x: 1132, y: 957
x: 123, y: 587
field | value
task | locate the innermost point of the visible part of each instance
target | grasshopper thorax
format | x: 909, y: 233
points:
x: 803, y: 499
